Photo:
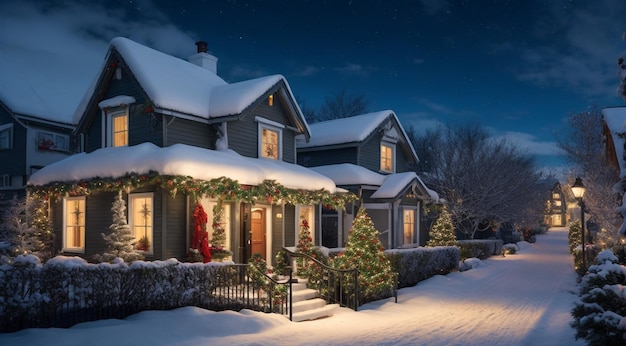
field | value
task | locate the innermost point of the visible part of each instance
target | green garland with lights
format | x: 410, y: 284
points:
x: 269, y: 191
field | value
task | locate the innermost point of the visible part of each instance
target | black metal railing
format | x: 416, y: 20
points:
x: 336, y: 286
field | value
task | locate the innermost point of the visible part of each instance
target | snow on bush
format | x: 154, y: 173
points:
x: 469, y: 263
x: 415, y: 265
x: 480, y: 248
x: 602, y: 305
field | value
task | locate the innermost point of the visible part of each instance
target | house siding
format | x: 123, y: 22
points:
x: 189, y: 132
x: 175, y: 232
x: 327, y: 157
x: 289, y: 218
x: 277, y: 231
x: 369, y: 153
x: 13, y: 161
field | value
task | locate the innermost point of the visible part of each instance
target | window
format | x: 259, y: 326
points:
x: 556, y: 196
x: 141, y: 213
x: 270, y: 144
x: 74, y: 224
x: 118, y: 135
x: 48, y: 141
x: 408, y: 223
x: 386, y: 157
x: 5, y: 180
x: 6, y: 136
x: 307, y: 212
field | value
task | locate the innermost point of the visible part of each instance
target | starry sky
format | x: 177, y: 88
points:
x: 519, y: 68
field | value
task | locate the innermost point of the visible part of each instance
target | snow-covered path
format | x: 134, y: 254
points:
x: 521, y: 299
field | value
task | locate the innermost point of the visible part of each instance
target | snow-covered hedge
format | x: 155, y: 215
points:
x: 68, y: 290
x: 415, y: 265
x: 480, y: 248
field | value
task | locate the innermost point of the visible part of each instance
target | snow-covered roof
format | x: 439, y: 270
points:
x: 390, y: 185
x: 178, y: 85
x: 36, y: 92
x: 180, y: 159
x: 615, y: 119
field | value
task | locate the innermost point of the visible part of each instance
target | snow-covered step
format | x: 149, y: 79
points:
x: 304, y: 294
x: 325, y: 311
x: 308, y: 304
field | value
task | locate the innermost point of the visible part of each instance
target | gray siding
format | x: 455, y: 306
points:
x: 327, y: 157
x: 188, y: 132
x: 13, y: 161
x: 98, y: 218
x: 369, y: 153
x: 289, y: 218
x: 176, y: 225
x: 277, y: 231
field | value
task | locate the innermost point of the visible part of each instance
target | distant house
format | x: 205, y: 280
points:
x: 35, y: 130
x: 557, y: 207
x: 171, y: 133
x: 371, y: 156
x: 614, y: 133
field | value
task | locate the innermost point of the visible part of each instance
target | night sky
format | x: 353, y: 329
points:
x: 517, y: 67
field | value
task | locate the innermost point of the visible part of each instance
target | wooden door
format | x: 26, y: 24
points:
x: 258, y: 232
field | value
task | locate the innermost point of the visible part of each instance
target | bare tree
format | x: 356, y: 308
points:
x: 584, y: 148
x: 484, y: 182
x: 338, y: 105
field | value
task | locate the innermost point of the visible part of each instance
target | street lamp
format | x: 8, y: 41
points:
x: 578, y: 189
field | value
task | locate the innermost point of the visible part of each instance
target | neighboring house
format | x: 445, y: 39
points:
x: 371, y: 156
x: 35, y: 129
x: 557, y: 207
x: 171, y: 133
x: 614, y: 131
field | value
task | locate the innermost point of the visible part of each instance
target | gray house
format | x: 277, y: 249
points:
x: 371, y: 156
x: 172, y: 134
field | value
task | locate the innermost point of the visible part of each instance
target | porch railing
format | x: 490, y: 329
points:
x: 336, y: 286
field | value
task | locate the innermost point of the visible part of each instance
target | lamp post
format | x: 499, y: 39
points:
x: 578, y: 189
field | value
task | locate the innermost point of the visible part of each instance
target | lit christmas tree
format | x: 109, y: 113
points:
x: 120, y: 240
x: 365, y: 252
x: 442, y: 232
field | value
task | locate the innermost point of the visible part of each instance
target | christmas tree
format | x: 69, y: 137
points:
x: 365, y: 252
x: 25, y: 230
x: 120, y: 240
x: 442, y: 231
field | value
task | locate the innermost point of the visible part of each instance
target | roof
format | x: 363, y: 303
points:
x: 615, y: 119
x: 390, y: 185
x: 352, y: 129
x: 178, y: 85
x: 35, y: 92
x: 180, y: 159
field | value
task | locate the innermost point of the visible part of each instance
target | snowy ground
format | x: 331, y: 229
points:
x: 522, y: 299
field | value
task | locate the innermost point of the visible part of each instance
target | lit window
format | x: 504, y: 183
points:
x: 409, y: 226
x: 48, y: 141
x: 74, y: 224
x: 270, y: 100
x: 386, y: 157
x: 119, y: 129
x: 556, y: 196
x: 270, y: 145
x: 557, y: 203
x: 307, y: 212
x: 6, y: 132
x: 141, y: 215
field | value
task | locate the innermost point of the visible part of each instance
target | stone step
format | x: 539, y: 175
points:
x: 308, y: 304
x: 304, y: 294
x: 313, y: 314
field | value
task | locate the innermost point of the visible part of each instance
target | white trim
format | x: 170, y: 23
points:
x: 8, y: 127
x: 131, y: 213
x: 110, y: 114
x: 392, y: 146
x: 261, y: 126
x: 259, y: 119
x: 66, y: 248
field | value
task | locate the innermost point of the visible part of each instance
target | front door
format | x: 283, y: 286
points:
x: 258, y: 232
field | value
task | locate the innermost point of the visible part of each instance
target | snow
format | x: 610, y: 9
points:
x: 180, y: 159
x: 116, y: 101
x: 521, y: 299
x: 390, y: 185
x: 177, y: 85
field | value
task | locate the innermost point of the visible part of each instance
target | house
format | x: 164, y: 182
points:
x: 371, y: 156
x: 613, y: 133
x: 556, y: 207
x: 35, y: 129
x: 172, y: 134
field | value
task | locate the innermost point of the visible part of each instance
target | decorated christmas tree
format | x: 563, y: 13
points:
x: 20, y: 233
x: 365, y: 252
x: 442, y: 231
x: 43, y: 230
x: 218, y: 235
x: 120, y: 239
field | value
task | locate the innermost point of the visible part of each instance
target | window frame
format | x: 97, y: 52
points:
x: 55, y: 138
x: 392, y: 158
x: 81, y: 226
x: 269, y: 125
x: 7, y: 128
x: 132, y: 218
x: 413, y: 226
x: 111, y: 114
x: 310, y: 210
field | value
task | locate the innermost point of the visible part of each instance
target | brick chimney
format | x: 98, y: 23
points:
x: 203, y: 59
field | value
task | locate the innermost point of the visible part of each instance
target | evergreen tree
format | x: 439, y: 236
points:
x: 25, y: 230
x: 442, y: 231
x: 574, y: 236
x: 365, y: 252
x: 602, y: 305
x: 120, y: 240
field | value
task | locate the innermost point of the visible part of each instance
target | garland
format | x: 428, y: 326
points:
x: 269, y: 191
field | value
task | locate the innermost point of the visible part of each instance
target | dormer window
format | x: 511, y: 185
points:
x: 387, y: 154
x: 118, y: 129
x: 270, y: 139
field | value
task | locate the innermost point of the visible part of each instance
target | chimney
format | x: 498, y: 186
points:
x: 204, y: 59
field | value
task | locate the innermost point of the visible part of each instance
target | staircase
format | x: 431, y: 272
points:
x: 307, y: 304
